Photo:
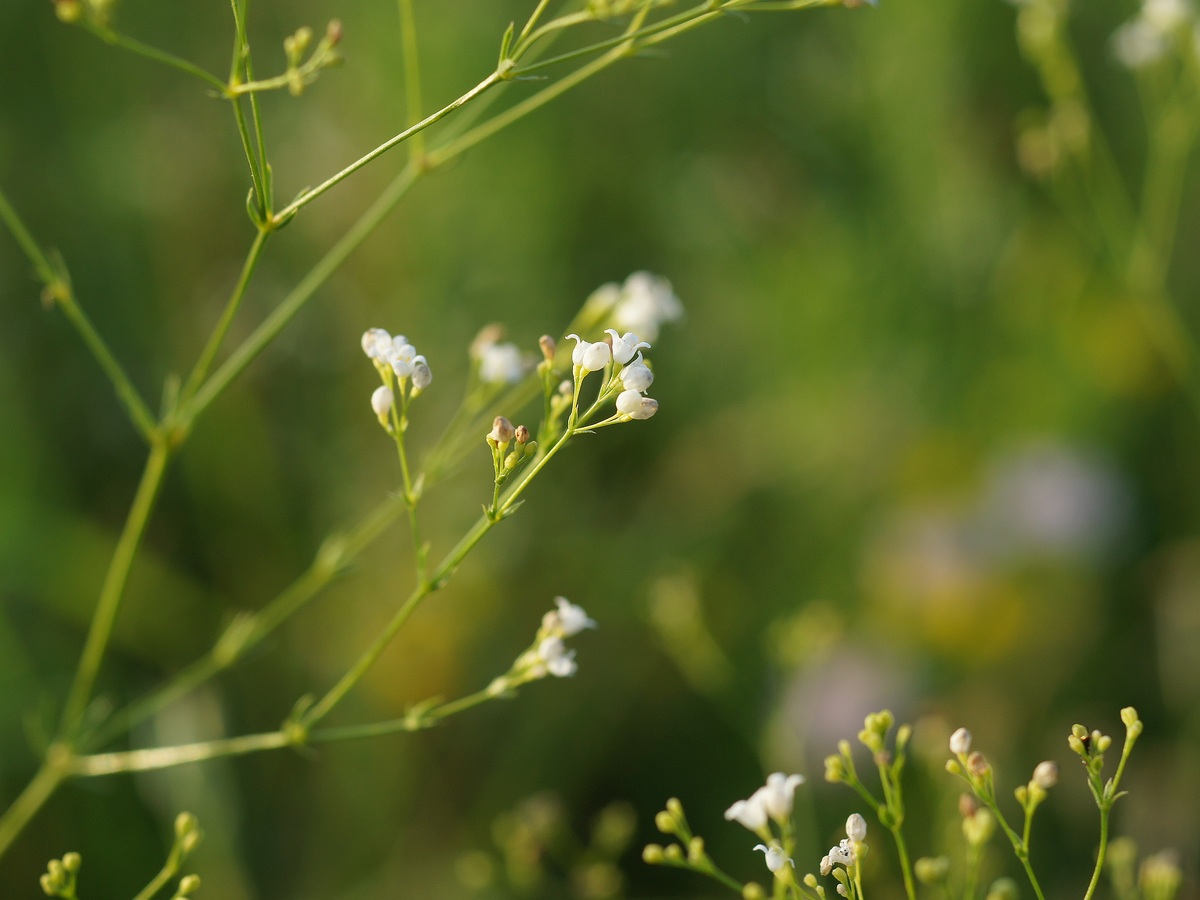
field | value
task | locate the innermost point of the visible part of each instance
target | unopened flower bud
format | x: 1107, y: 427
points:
x: 634, y: 405
x: 334, y: 32
x: 185, y: 824
x: 1129, y: 716
x: 753, y: 891
x: 188, y: 884
x: 977, y: 764
x: 1003, y: 889
x: 381, y: 402
x: 549, y: 347
x: 511, y: 461
x: 673, y: 853
x: 71, y: 862
x: 565, y: 388
x: 422, y: 375
x: 931, y: 870
x: 1045, y: 775
x: 835, y: 769
x: 978, y: 829
x: 696, y: 850
x: 856, y: 828
x: 968, y: 805
x: 1103, y: 742
x: 665, y: 822
x: 652, y: 854
x: 637, y: 375
x: 521, y: 434
x: 502, y: 431
x: 596, y: 356
x: 68, y: 10
x: 960, y: 742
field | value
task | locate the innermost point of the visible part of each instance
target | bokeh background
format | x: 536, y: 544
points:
x: 917, y: 449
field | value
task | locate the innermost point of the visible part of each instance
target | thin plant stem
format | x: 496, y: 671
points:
x: 412, y: 74
x: 114, y: 589
x: 166, y: 757
x: 533, y: 20
x: 40, y: 788
x: 910, y: 887
x: 270, y: 328
x: 116, y: 39
x: 58, y: 289
x: 169, y: 870
x: 308, y: 196
x: 337, y: 552
x: 242, y: 64
x: 204, y: 363
x: 453, y: 559
x: 1101, y: 853
x: 399, y: 428
x: 257, y: 178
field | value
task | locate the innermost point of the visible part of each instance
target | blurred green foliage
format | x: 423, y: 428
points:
x: 916, y: 449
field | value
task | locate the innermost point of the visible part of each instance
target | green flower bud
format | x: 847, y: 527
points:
x: 653, y: 854
x: 753, y: 891
x: 189, y: 884
x: 979, y: 828
x: 1129, y: 716
x: 185, y: 823
x: 1003, y: 889
x: 665, y: 822
x: 931, y: 870
x: 673, y: 853
x: 71, y: 862
x: 695, y: 850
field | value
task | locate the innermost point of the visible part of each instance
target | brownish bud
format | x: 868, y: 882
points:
x: 549, y: 347
x: 521, y: 434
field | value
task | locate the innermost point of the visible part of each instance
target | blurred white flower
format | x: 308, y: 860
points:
x: 559, y: 661
x: 647, y: 301
x: 376, y: 343
x: 569, y: 618
x: 960, y: 742
x: 402, y: 356
x: 751, y: 813
x: 1166, y: 15
x: 501, y: 364
x: 778, y: 795
x: 1138, y: 44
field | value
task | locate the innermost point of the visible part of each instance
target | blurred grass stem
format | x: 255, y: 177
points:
x: 412, y: 74
x: 59, y: 291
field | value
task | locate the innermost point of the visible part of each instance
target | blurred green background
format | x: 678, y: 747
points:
x: 916, y: 449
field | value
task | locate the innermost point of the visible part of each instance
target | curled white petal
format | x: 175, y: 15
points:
x: 581, y: 347
x: 572, y: 619
x: 777, y: 794
x: 748, y: 813
x: 774, y: 856
x: 625, y: 346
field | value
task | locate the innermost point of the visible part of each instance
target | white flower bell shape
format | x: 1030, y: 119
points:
x: 637, y: 376
x: 376, y: 343
x: 856, y: 828
x: 751, y: 813
x: 571, y: 618
x: 778, y: 793
x: 559, y: 661
x: 381, y: 401
x: 774, y: 857
x: 590, y: 357
x: 625, y: 346
x: 403, y: 356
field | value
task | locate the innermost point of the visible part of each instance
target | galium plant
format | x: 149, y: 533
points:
x: 768, y: 811
x: 600, y: 382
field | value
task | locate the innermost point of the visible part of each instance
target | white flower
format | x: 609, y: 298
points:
x: 637, y: 376
x: 402, y: 356
x: 560, y: 662
x: 1138, y: 44
x: 590, y: 357
x: 778, y: 793
x: 1166, y: 15
x: 1045, y: 775
x: 841, y: 855
x: 749, y: 814
x: 775, y: 858
x: 826, y: 865
x: 634, y: 405
x: 381, y: 401
x: 625, y: 346
x: 500, y: 363
x: 571, y: 618
x: 646, y: 302
x: 856, y: 828
x: 960, y: 742
x: 376, y: 343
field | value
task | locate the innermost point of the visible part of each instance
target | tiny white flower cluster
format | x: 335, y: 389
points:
x: 846, y: 852
x: 549, y: 654
x: 771, y: 802
x: 400, y: 367
x: 630, y: 376
x: 645, y: 302
x: 1148, y: 36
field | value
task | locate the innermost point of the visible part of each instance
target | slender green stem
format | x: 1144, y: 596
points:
x: 399, y: 428
x: 43, y: 785
x: 113, y: 590
x: 533, y: 19
x: 257, y: 179
x: 241, y: 70
x: 337, y: 552
x: 403, y: 724
x: 312, y: 194
x: 204, y: 363
x: 166, y: 757
x: 154, y: 54
x: 451, y: 562
x: 412, y: 74
x: 1091, y: 889
x: 1018, y: 848
x: 910, y: 887
x: 248, y: 351
x: 169, y: 870
x: 58, y: 289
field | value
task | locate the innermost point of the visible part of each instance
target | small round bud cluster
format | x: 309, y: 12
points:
x: 630, y: 378
x: 59, y: 880
x: 396, y: 352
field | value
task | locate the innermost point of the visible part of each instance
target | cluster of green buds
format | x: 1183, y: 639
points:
x: 889, y: 760
x: 93, y: 12
x: 689, y: 853
x: 187, y: 838
x: 302, y: 72
x: 1091, y: 746
x: 59, y: 880
x: 512, y: 447
x: 1158, y: 877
